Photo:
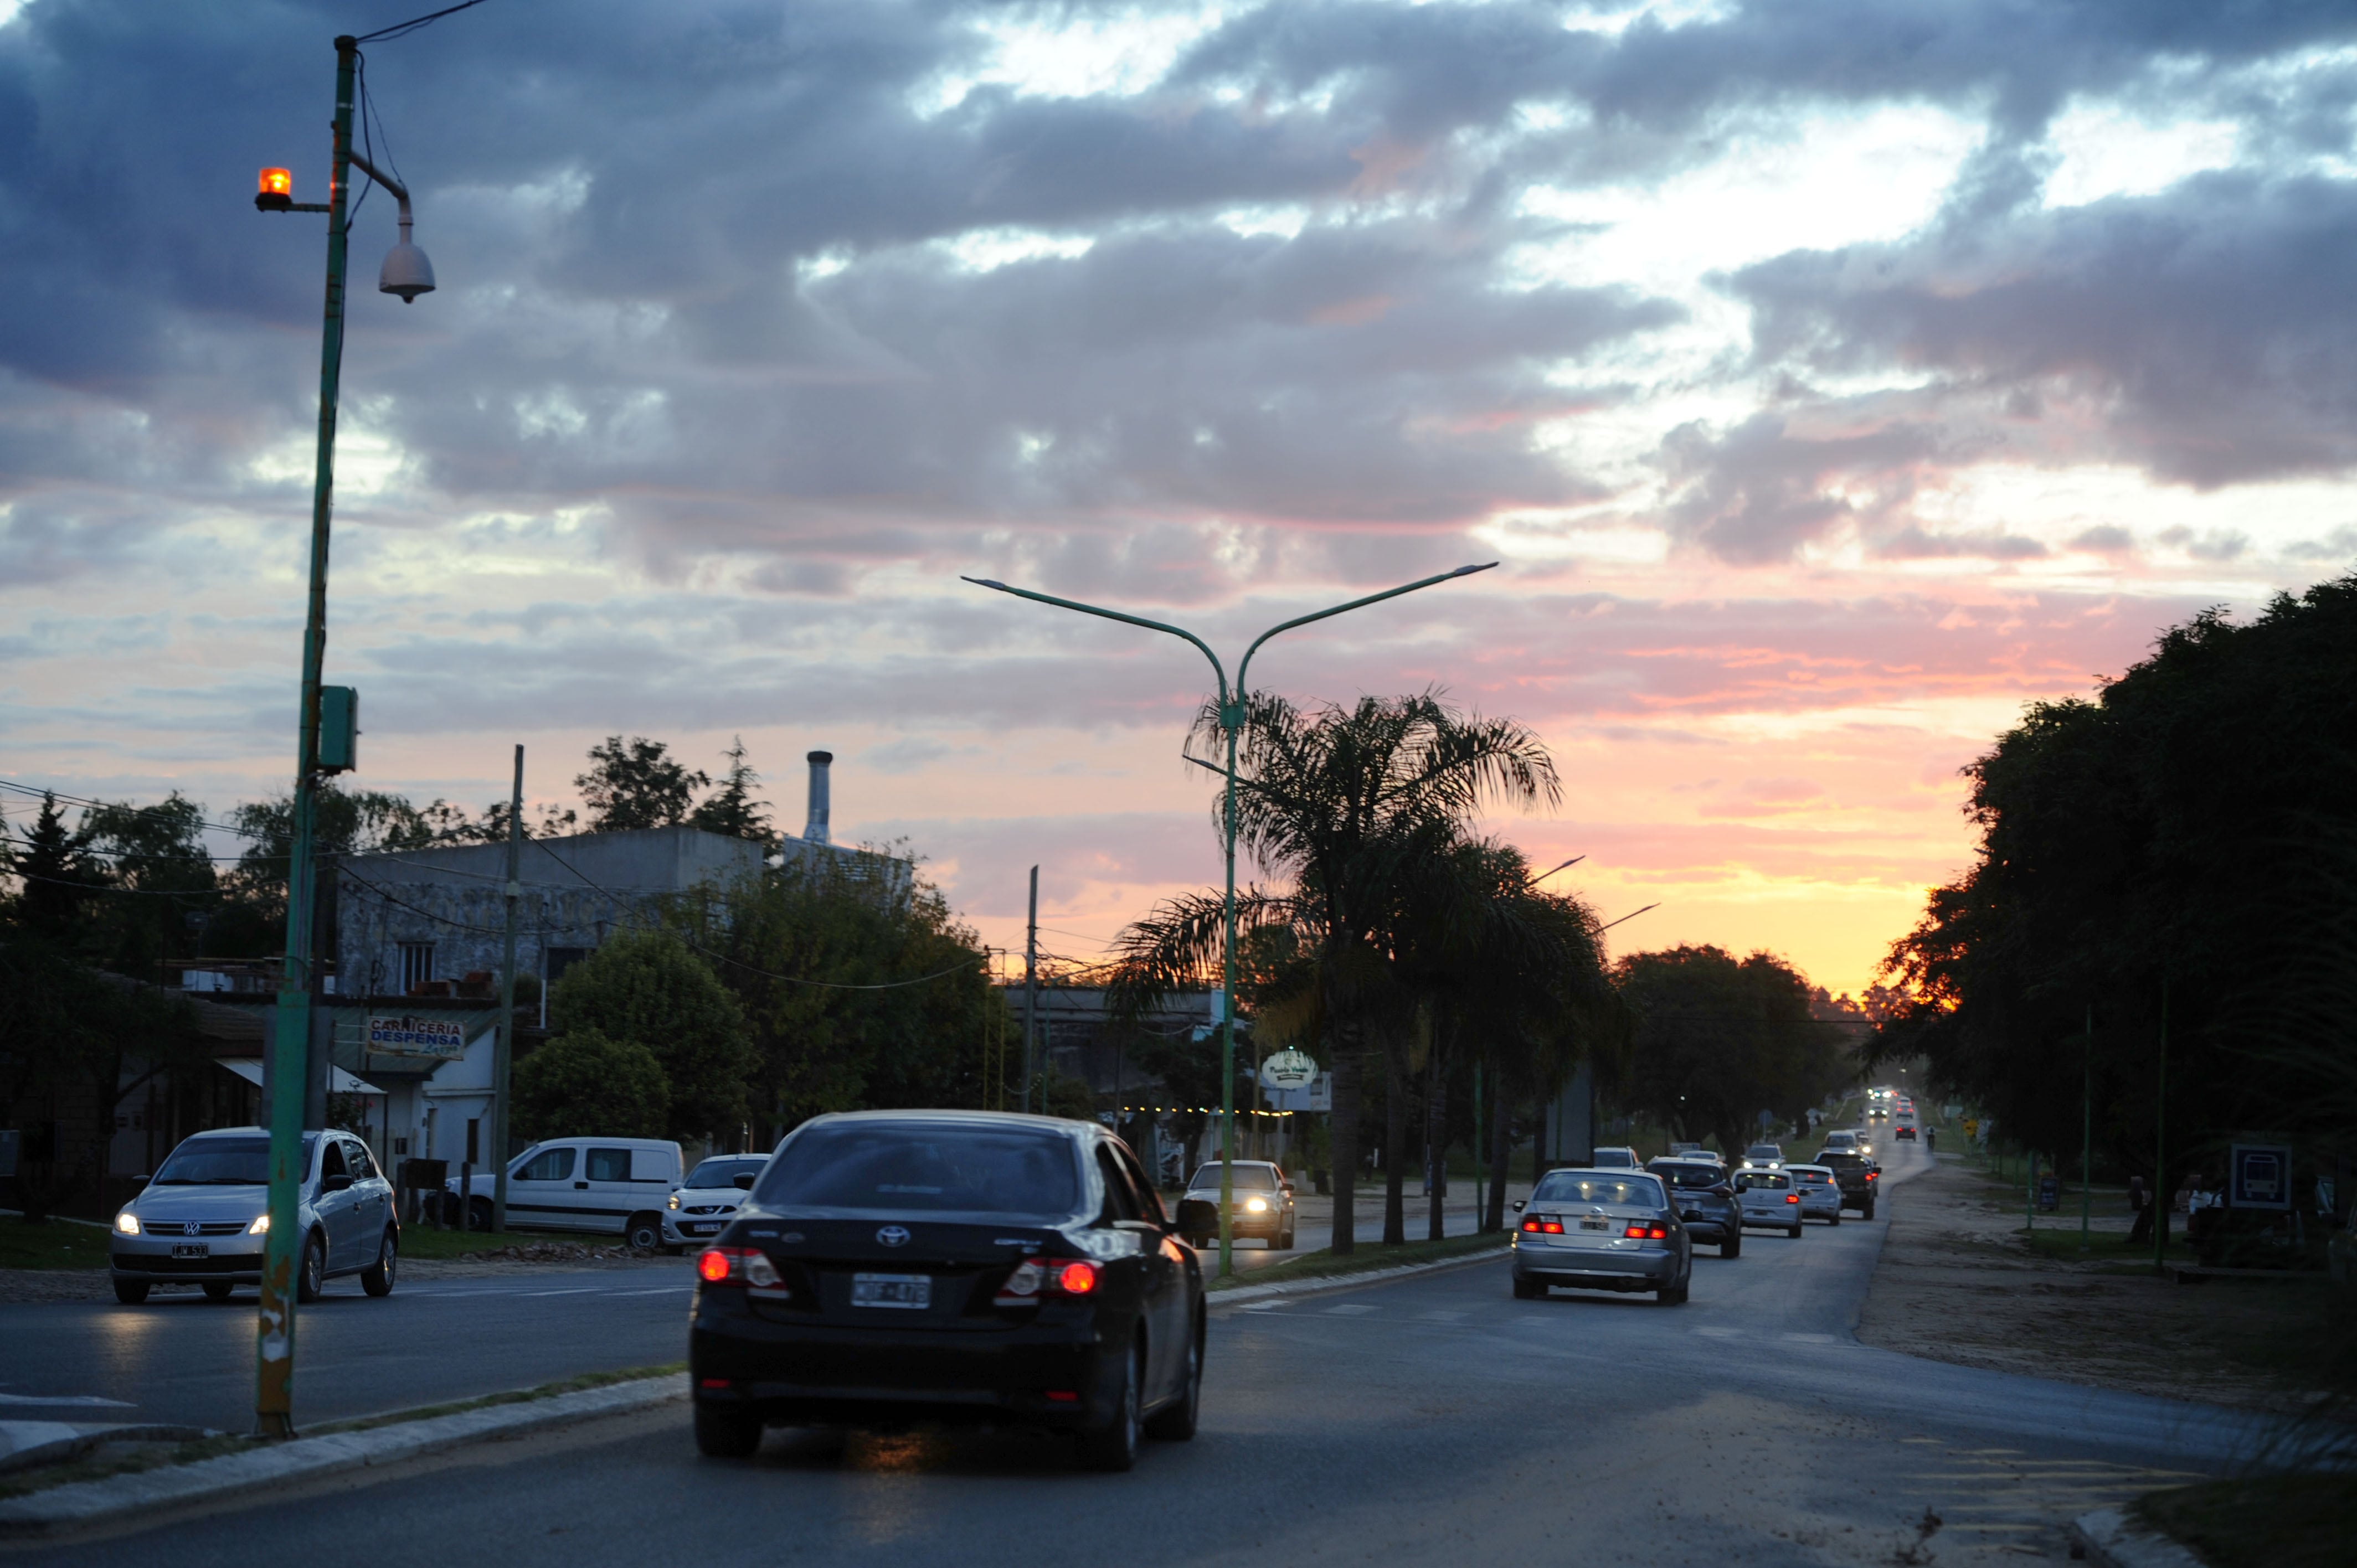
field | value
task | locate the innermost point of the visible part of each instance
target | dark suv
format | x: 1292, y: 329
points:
x: 1705, y: 1195
x: 1856, y: 1174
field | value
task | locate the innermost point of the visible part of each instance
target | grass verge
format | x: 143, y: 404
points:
x: 424, y: 1241
x: 1327, y: 1265
x: 160, y: 1455
x: 57, y: 1245
x: 2277, y: 1521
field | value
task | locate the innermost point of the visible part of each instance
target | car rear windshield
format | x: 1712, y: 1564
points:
x: 1688, y: 1174
x: 224, y: 1162
x: 1768, y: 1181
x: 1812, y: 1178
x: 1249, y: 1178
x: 724, y: 1173
x: 916, y: 1167
x: 1629, y: 1191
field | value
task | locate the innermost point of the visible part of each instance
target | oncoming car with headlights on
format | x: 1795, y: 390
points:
x: 896, y: 1267
x: 1263, y: 1205
x: 1602, y: 1230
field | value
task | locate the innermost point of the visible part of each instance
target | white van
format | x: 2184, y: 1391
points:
x: 605, y: 1186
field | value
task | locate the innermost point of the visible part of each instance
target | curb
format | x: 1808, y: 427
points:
x: 2109, y: 1539
x: 32, y: 1443
x: 1214, y: 1299
x: 117, y: 1497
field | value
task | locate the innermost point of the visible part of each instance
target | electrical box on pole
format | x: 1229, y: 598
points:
x: 340, y: 729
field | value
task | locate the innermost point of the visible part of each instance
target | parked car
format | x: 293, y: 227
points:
x: 1263, y: 1205
x: 1764, y: 1157
x: 204, y: 1217
x: 701, y: 1209
x: 1821, y: 1195
x: 1615, y: 1158
x: 893, y: 1266
x: 607, y: 1186
x: 1771, y: 1200
x: 1605, y: 1229
x: 1705, y: 1195
x: 1856, y: 1174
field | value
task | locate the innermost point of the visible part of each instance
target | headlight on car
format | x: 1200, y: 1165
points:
x: 127, y: 1223
x: 260, y: 1226
x: 1255, y: 1206
x: 674, y: 1200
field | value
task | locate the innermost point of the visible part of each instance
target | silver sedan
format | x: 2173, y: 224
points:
x: 1602, y: 1230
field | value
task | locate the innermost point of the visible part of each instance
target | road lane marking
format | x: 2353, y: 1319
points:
x: 1808, y: 1338
x: 1721, y: 1333
x: 1350, y: 1309
x: 1443, y: 1316
x: 94, y: 1400
x: 574, y: 1289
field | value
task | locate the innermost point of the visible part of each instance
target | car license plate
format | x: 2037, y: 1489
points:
x: 1596, y: 1224
x: 191, y: 1250
x: 892, y: 1290
x: 712, y: 1229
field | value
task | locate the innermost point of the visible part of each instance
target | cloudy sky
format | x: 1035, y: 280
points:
x: 1831, y: 377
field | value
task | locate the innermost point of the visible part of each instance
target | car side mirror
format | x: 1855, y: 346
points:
x: 335, y: 1184
x: 1518, y: 1207
x: 743, y: 1183
x: 1723, y: 1190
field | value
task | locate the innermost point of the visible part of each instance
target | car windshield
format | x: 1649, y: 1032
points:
x: 723, y: 1173
x: 1688, y: 1174
x: 224, y: 1162
x: 1629, y: 1191
x: 1763, y: 1151
x: 917, y: 1167
x: 1767, y: 1181
x: 1249, y: 1178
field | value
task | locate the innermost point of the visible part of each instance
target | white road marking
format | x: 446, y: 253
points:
x: 1442, y: 1317
x: 66, y: 1398
x: 1350, y: 1309
x: 1808, y: 1338
x: 1721, y: 1333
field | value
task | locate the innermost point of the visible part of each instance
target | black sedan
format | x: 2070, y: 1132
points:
x: 1704, y: 1194
x: 893, y: 1267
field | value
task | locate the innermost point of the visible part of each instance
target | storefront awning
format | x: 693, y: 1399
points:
x: 339, y: 1080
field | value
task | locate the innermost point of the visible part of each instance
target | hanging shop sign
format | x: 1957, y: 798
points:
x: 406, y: 1036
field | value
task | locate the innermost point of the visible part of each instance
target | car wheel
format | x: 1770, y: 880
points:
x: 643, y: 1233
x: 1285, y: 1238
x: 1176, y: 1423
x: 217, y: 1289
x: 130, y: 1293
x: 726, y: 1433
x: 1867, y: 1212
x: 311, y: 1275
x: 1836, y: 1216
x: 1528, y: 1290
x: 1114, y: 1446
x: 377, y: 1278
x: 1733, y: 1246
x: 479, y: 1215
x: 1673, y: 1295
x: 1795, y: 1232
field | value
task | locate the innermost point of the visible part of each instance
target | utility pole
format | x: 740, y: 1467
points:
x: 503, y: 1043
x: 1030, y: 985
x: 2087, y: 1130
x: 2160, y: 1194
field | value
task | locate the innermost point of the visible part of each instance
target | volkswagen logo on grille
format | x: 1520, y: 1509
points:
x: 189, y: 1229
x: 893, y: 1235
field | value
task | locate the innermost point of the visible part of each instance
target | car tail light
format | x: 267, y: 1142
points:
x: 736, y: 1266
x: 1869, y: 1175
x: 1791, y: 1197
x: 1646, y: 1233
x: 1036, y: 1277
x: 1543, y: 1224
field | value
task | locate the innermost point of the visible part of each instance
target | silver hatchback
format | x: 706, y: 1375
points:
x: 201, y: 1220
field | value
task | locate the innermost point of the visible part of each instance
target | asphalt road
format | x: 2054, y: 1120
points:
x: 1435, y: 1420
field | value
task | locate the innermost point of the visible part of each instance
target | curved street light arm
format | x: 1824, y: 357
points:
x: 1217, y: 668
x: 1338, y: 609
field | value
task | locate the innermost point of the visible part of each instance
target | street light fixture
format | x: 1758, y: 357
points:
x: 1232, y: 722
x: 406, y: 273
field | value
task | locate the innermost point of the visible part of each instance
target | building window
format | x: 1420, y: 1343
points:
x: 562, y: 958
x: 416, y: 965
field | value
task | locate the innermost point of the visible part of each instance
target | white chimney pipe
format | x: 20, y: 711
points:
x: 814, y: 831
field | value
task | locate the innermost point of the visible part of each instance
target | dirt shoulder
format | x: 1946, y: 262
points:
x: 1956, y: 1282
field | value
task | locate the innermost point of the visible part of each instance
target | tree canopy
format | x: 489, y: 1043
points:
x: 585, y: 1084
x: 1718, y: 1039
x: 647, y: 988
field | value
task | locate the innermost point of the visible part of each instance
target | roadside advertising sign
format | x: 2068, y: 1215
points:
x: 2258, y: 1175
x: 1288, y: 1069
x: 407, y: 1036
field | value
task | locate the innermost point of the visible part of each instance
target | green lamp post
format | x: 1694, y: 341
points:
x: 406, y: 273
x: 1231, y: 722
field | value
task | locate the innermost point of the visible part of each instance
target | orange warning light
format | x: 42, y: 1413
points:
x: 277, y: 182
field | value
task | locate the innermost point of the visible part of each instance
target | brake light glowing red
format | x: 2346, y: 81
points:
x: 712, y: 1265
x: 1034, y: 1277
x: 1543, y: 1225
x: 1640, y: 1233
x: 737, y: 1266
x: 1791, y: 1197
x: 1075, y: 1278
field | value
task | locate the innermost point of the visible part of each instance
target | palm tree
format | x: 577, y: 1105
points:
x: 1348, y: 810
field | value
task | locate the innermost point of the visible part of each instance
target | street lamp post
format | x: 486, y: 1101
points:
x: 406, y: 273
x: 1232, y: 722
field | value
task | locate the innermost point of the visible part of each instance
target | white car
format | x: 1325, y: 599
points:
x: 1771, y: 1200
x: 1820, y: 1190
x: 705, y: 1205
x: 608, y: 1185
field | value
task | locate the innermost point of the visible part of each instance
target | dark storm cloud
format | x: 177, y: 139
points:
x: 2204, y: 333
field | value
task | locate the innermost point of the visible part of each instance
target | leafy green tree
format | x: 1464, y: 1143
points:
x: 861, y: 987
x: 648, y: 988
x: 1344, y: 809
x: 584, y: 1084
x: 56, y: 876
x: 1719, y: 1040
x: 731, y: 810
x: 156, y: 861
x: 636, y: 785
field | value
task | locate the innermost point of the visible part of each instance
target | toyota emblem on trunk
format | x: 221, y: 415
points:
x: 893, y: 1235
